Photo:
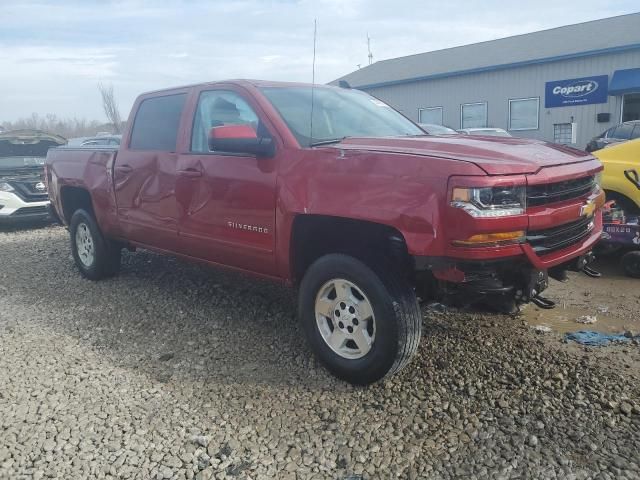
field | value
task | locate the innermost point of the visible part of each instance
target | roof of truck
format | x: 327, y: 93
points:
x: 240, y: 82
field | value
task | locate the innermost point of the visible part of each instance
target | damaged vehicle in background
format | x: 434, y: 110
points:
x: 23, y: 193
x: 433, y: 129
x: 487, y: 132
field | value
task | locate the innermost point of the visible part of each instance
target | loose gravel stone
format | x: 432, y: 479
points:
x: 172, y: 370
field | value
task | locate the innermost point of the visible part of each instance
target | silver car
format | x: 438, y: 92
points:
x: 489, y: 132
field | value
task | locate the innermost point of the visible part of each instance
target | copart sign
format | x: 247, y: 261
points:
x: 576, y: 91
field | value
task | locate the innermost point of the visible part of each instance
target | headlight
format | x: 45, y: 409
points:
x: 5, y: 187
x: 597, y: 180
x: 490, y: 202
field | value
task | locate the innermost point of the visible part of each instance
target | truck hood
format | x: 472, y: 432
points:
x: 494, y: 155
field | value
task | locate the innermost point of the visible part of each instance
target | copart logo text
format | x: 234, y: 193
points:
x: 578, y: 89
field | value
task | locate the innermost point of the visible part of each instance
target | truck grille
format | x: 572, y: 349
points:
x: 27, y: 191
x: 556, y: 238
x: 557, y: 192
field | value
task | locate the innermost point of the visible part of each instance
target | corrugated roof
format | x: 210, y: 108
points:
x: 582, y: 39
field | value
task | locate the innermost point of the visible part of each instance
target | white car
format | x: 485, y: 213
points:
x: 489, y: 132
x: 23, y: 192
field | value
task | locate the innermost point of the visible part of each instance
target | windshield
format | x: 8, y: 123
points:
x: 337, y: 113
x: 12, y: 163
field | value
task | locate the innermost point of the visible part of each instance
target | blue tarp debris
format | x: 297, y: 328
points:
x: 596, y: 339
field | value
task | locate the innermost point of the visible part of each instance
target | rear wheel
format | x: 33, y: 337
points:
x: 95, y: 256
x: 631, y: 264
x: 361, y: 325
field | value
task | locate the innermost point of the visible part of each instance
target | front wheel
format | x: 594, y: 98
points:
x: 361, y: 325
x: 95, y: 256
x: 631, y: 264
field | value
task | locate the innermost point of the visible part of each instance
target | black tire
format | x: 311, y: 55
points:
x: 604, y: 249
x: 106, y: 259
x: 625, y: 203
x: 631, y: 263
x: 398, y: 321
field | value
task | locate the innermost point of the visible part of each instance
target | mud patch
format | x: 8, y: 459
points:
x: 572, y: 319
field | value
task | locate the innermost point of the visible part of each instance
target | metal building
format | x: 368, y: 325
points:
x: 565, y: 84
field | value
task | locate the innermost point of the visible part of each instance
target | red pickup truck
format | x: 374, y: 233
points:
x: 333, y: 191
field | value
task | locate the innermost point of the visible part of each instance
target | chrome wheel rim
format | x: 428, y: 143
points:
x: 84, y: 245
x: 345, y: 319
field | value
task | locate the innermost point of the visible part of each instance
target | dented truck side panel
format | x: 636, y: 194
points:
x: 239, y: 210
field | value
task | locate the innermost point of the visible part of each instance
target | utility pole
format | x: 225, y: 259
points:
x: 369, y: 49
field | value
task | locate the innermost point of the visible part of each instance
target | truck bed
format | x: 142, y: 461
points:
x: 85, y: 168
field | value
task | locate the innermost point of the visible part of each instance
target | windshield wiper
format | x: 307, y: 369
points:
x: 327, y: 142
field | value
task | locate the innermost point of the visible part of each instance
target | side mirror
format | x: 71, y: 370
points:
x: 240, y: 139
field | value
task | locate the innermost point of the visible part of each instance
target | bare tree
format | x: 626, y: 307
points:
x: 51, y: 123
x: 110, y: 106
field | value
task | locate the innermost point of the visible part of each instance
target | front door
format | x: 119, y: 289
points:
x: 227, y: 201
x: 145, y: 174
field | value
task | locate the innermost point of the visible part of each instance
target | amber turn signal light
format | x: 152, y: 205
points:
x: 491, y: 239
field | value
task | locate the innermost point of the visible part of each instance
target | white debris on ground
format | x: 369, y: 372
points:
x: 541, y: 328
x: 587, y: 319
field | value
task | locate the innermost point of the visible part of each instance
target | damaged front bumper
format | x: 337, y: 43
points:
x: 517, y: 278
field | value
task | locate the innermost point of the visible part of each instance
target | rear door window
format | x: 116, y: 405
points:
x: 156, y: 124
x: 636, y: 131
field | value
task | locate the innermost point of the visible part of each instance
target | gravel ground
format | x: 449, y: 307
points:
x: 172, y: 370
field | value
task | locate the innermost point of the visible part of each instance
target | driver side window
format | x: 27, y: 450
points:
x: 215, y: 109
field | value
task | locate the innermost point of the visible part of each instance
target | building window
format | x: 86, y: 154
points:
x: 430, y: 115
x: 523, y: 113
x: 563, y: 133
x: 630, y: 107
x: 473, y: 115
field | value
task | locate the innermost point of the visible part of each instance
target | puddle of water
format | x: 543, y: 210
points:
x: 563, y: 319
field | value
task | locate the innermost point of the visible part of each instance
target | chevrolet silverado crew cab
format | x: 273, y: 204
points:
x: 23, y: 193
x: 333, y: 191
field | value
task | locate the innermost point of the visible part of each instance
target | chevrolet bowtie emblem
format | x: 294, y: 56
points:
x: 587, y: 209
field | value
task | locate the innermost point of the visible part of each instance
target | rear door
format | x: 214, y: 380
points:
x: 227, y: 201
x: 145, y: 172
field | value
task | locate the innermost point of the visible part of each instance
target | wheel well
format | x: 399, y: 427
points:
x: 622, y: 201
x: 74, y: 198
x: 313, y: 236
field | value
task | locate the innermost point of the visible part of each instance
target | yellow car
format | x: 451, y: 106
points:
x: 621, y: 176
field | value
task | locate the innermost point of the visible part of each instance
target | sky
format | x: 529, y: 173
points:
x: 54, y: 54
